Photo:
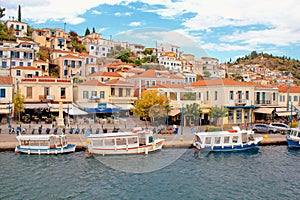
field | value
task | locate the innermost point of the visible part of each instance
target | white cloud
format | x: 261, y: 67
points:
x: 118, y: 14
x: 135, y: 24
x: 96, y: 12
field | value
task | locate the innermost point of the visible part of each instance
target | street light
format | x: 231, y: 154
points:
x: 8, y: 117
x: 182, y: 119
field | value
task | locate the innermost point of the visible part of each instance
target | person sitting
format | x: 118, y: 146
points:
x: 71, y: 130
x: 77, y: 131
x: 55, y: 131
x: 40, y: 130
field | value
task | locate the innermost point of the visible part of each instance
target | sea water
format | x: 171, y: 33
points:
x: 272, y: 172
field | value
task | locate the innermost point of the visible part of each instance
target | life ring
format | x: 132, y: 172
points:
x: 232, y: 131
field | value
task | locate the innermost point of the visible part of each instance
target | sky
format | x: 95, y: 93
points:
x: 223, y: 29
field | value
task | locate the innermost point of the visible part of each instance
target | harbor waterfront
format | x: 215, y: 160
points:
x: 270, y: 173
x: 9, y: 141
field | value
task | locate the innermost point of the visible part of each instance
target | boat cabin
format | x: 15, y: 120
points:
x: 42, y: 141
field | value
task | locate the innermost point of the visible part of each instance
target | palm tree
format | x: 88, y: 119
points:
x: 192, y: 112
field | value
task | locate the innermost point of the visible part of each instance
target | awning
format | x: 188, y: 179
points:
x: 174, y: 112
x: 35, y: 105
x: 75, y: 111
x: 124, y: 106
x: 93, y: 110
x: 286, y: 113
x: 205, y: 110
x: 264, y: 110
x: 54, y: 107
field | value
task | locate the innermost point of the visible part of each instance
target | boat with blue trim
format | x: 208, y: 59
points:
x: 44, y: 144
x: 293, y: 139
x: 231, y: 140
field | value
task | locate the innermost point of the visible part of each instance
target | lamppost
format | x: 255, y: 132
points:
x: 167, y: 120
x: 182, y: 119
x: 8, y: 117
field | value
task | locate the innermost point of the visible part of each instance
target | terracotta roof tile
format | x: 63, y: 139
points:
x: 119, y: 82
x: 110, y: 74
x: 285, y: 89
x: 93, y: 83
x: 4, y: 80
x: 26, y: 68
x: 224, y: 81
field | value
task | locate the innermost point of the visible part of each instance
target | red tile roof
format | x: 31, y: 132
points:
x: 93, y: 83
x: 26, y: 68
x: 4, y: 80
x: 119, y: 82
x: 285, y: 89
x: 110, y: 74
x: 223, y: 81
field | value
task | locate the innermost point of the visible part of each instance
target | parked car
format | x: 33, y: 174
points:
x: 264, y: 128
x: 283, y: 128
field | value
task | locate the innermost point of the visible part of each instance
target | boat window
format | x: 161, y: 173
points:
x: 25, y: 142
x: 133, y: 140
x: 121, y: 141
x: 235, y: 139
x: 226, y: 139
x: 34, y: 143
x: 109, y: 142
x: 217, y: 140
x: 98, y: 142
x: 208, y: 140
x: 44, y: 143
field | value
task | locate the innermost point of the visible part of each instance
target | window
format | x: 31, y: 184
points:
x: 246, y: 115
x: 295, y: 98
x: 231, y: 95
x: 239, y: 115
x: 207, y: 95
x: 18, y: 72
x: 92, y: 47
x: 128, y: 92
x: 230, y: 116
x: 79, y: 63
x: 2, y: 93
x: 36, y: 73
x: 4, y: 64
x: 274, y: 96
x: 112, y: 92
x: 94, y: 93
x: 13, y: 63
x: 46, y: 91
x: 216, y: 95
x: 120, y: 92
x: 200, y: 96
x: 29, y: 64
x: 29, y: 92
x: 85, y: 94
x: 73, y: 63
x: 62, y: 93
x: 21, y: 64
x: 247, y: 95
x: 153, y: 83
x: 102, y: 94
x: 66, y: 63
x: 147, y: 83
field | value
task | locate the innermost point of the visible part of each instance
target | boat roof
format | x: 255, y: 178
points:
x: 38, y: 137
x: 220, y: 133
x: 113, y: 135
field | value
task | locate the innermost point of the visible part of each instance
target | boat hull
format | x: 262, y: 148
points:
x: 144, y: 149
x: 70, y: 148
x: 293, y: 142
x: 229, y: 148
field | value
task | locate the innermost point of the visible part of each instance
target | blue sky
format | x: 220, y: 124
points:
x: 217, y: 28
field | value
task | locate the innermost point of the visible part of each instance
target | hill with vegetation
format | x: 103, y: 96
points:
x: 281, y: 63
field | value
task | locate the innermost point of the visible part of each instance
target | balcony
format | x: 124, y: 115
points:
x: 263, y: 102
x: 240, y: 102
x: 46, y: 98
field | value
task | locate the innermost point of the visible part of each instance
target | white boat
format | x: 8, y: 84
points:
x: 232, y: 140
x: 44, y: 144
x: 137, y: 142
x: 293, y: 139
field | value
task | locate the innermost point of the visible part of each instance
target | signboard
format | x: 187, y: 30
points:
x: 101, y: 105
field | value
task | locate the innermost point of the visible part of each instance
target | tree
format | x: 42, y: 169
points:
x: 206, y: 74
x: 19, y: 104
x: 123, y: 55
x: 19, y: 13
x: 87, y: 32
x: 189, y: 96
x: 94, y: 31
x: 216, y: 113
x: 2, y: 12
x: 147, y: 101
x: 192, y: 112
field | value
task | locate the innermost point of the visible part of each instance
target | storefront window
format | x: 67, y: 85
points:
x: 230, y: 116
x: 246, y: 116
x: 238, y: 115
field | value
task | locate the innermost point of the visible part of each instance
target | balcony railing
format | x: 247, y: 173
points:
x: 240, y: 101
x: 264, y: 102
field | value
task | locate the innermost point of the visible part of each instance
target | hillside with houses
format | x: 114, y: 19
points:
x: 47, y: 67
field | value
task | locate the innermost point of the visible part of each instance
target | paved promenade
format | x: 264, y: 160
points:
x: 184, y: 139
